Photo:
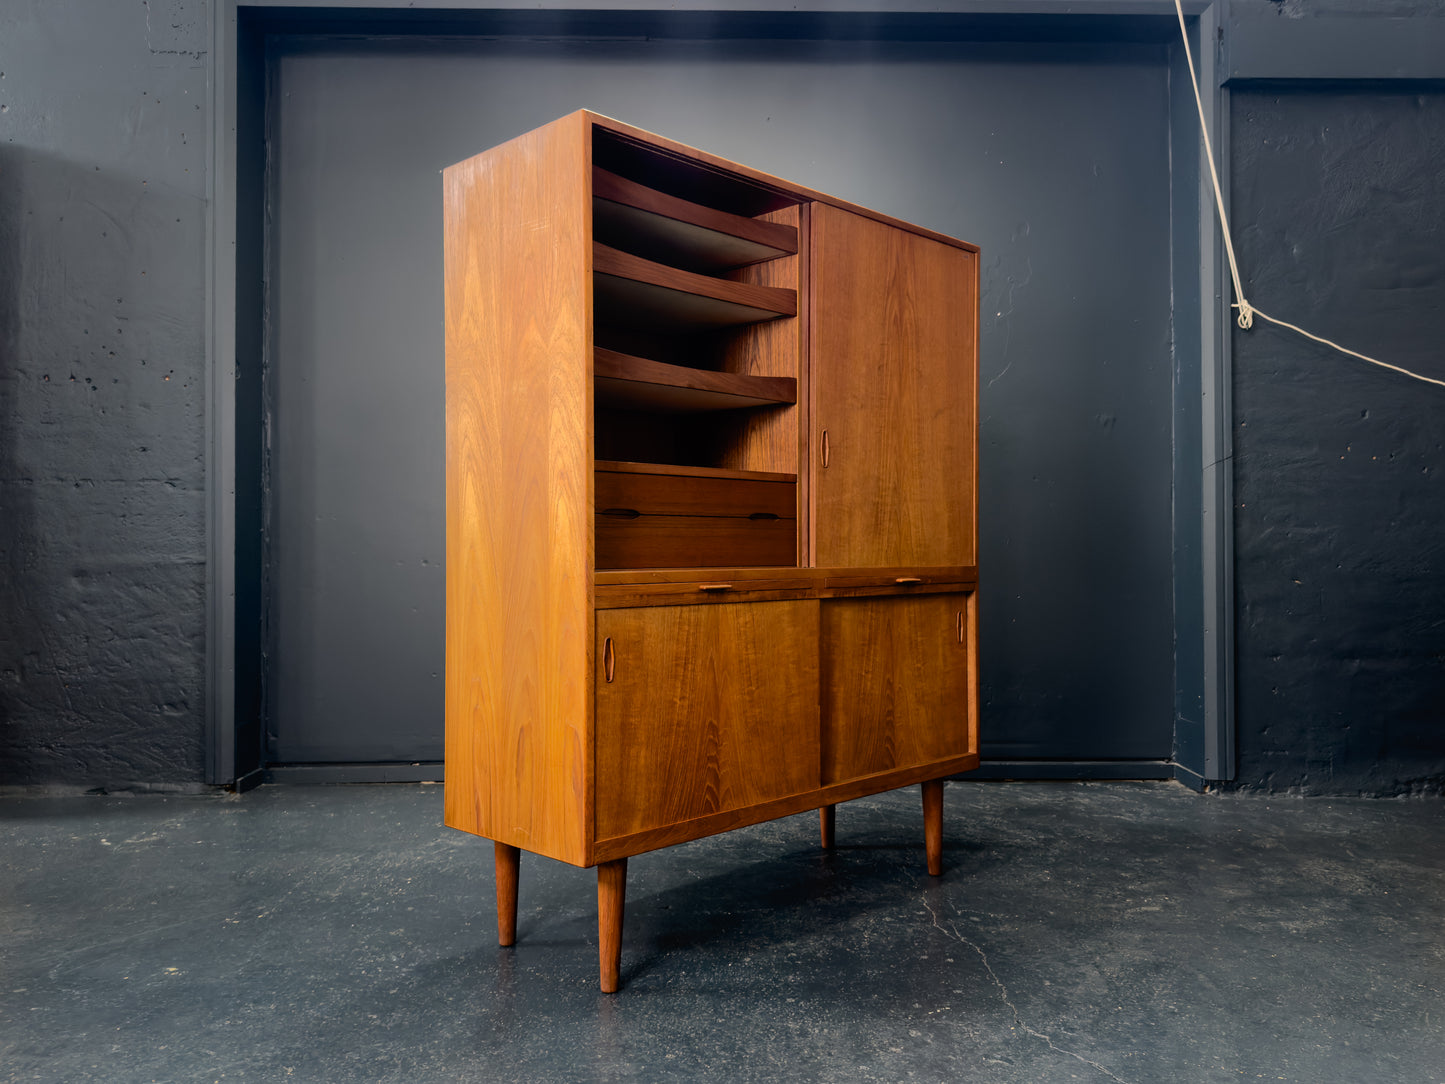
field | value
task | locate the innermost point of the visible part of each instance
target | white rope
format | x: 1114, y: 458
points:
x: 1248, y: 312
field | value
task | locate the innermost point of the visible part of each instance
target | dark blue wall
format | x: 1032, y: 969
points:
x: 1339, y: 213
x: 103, y: 158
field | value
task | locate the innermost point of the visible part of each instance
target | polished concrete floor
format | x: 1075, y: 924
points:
x: 1108, y: 932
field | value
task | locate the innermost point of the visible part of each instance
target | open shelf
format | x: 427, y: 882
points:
x: 685, y: 176
x: 630, y: 383
x: 617, y: 467
x: 633, y: 292
x: 632, y: 217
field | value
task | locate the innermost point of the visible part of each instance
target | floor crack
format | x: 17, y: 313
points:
x: 951, y: 930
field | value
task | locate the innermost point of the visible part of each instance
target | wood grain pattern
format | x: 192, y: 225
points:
x: 895, y: 684
x: 713, y: 708
x: 519, y: 493
x: 611, y: 906
x: 933, y: 825
x: 911, y: 578
x: 650, y: 541
x: 713, y: 823
x: 893, y: 321
x: 693, y: 291
x: 508, y: 861
x: 784, y: 192
x: 640, y: 383
x: 970, y: 632
x: 962, y: 576
x: 794, y: 688
x: 660, y: 519
x: 664, y: 228
x: 663, y: 492
x: 769, y: 439
x: 685, y: 471
x: 624, y: 597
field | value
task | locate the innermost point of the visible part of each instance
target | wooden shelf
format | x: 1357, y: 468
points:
x: 633, y: 383
x: 618, y: 467
x: 632, y: 292
x: 627, y: 215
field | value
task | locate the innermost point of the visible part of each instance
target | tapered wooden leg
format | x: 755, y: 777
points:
x: 826, y: 821
x: 509, y: 861
x: 611, y: 898
x: 933, y: 825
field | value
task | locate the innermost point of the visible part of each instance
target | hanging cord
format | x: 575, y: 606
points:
x: 1248, y: 312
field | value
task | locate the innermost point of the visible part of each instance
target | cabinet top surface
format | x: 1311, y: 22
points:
x: 769, y: 188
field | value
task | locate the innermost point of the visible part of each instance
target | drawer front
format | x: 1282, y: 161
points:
x: 669, y: 521
x: 681, y: 495
x: 648, y: 541
x: 723, y: 589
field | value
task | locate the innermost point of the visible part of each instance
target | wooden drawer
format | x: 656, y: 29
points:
x: 700, y: 592
x: 661, y: 519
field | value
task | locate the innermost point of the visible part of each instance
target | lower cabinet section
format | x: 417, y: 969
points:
x: 895, y: 676
x: 703, y: 709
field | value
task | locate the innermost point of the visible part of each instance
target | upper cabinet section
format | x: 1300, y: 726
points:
x: 696, y: 361
x: 660, y: 359
x: 894, y: 379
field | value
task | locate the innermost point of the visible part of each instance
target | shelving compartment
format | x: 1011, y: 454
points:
x: 677, y: 232
x: 695, y: 363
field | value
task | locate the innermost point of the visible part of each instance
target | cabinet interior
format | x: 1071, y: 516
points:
x: 696, y: 361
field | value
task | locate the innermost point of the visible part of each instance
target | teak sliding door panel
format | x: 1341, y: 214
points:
x: 703, y: 709
x: 519, y: 493
x: 895, y: 677
x: 893, y: 319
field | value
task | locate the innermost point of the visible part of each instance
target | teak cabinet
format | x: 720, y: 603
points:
x: 711, y: 515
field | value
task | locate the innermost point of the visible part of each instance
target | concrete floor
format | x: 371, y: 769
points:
x: 1110, y: 932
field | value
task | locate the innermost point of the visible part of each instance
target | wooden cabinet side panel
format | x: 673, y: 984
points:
x: 711, y: 708
x: 519, y: 492
x: 893, y: 332
x: 896, y: 681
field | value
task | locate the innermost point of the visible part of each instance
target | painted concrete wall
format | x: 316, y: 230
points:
x: 1053, y: 157
x: 1339, y: 213
x: 102, y: 322
x: 103, y: 145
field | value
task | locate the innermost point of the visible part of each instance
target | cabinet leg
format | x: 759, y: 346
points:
x: 509, y: 861
x: 826, y: 820
x: 611, y: 897
x: 933, y: 825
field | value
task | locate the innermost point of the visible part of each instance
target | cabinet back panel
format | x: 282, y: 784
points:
x: 768, y: 439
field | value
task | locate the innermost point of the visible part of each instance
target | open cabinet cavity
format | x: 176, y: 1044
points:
x: 696, y: 363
